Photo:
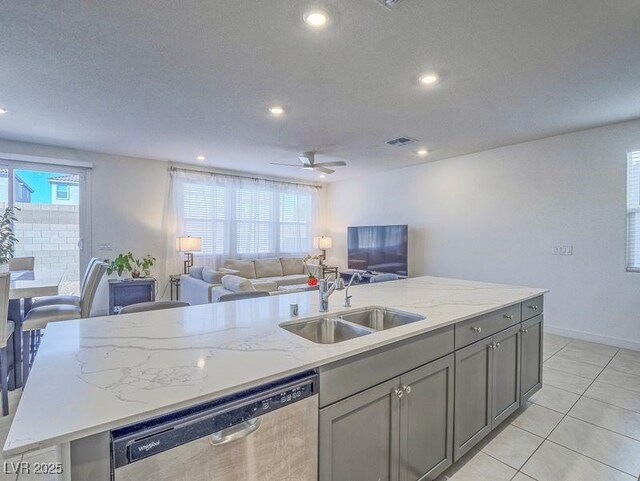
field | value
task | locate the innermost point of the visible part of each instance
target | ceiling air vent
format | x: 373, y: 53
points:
x: 390, y: 3
x: 401, y: 141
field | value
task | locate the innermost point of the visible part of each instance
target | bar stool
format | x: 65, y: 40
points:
x: 6, y: 331
x: 38, y: 317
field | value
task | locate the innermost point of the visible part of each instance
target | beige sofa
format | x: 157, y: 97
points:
x: 204, y: 285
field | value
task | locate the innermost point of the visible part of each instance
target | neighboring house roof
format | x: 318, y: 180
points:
x: 5, y: 173
x: 65, y: 179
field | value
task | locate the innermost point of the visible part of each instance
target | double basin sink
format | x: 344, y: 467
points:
x: 349, y: 325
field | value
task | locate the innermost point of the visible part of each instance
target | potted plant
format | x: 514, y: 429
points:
x: 127, y: 263
x: 312, y: 270
x: 8, y: 239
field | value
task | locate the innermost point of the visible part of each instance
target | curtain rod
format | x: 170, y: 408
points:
x: 233, y: 176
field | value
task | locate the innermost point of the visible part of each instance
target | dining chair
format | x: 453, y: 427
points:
x: 66, y: 299
x: 38, y: 318
x: 22, y: 264
x: 238, y: 296
x: 152, y: 306
x: 384, y: 278
x: 7, y: 327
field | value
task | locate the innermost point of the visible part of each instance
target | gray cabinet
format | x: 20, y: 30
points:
x: 487, y: 387
x: 473, y: 381
x: 399, y: 430
x: 505, y: 397
x: 359, y: 436
x: 531, y: 358
x: 426, y: 421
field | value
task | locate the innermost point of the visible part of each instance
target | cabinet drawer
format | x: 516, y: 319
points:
x: 473, y: 330
x: 345, y: 378
x: 532, y: 308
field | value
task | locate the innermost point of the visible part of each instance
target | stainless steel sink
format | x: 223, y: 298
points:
x: 326, y: 330
x: 380, y: 319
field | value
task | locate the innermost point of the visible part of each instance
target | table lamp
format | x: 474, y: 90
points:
x: 188, y: 245
x: 323, y: 243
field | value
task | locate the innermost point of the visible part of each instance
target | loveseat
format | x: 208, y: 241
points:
x: 204, y: 285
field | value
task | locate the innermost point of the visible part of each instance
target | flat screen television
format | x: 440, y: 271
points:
x: 381, y: 248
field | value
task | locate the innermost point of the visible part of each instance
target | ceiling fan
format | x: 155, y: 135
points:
x: 308, y: 160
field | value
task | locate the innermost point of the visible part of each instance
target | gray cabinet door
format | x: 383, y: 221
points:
x: 426, y: 421
x: 472, y: 396
x: 531, y: 363
x: 505, y: 398
x: 359, y: 436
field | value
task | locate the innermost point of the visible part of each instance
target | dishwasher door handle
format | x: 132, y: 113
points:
x: 233, y: 433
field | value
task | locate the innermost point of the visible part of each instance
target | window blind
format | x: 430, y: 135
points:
x: 245, y: 219
x: 633, y: 211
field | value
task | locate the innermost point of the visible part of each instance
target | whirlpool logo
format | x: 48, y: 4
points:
x: 148, y: 446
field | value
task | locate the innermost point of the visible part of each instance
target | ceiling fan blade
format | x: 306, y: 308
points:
x: 322, y: 169
x: 338, y: 163
x: 288, y: 165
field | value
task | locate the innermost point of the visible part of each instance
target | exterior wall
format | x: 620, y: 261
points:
x: 51, y: 234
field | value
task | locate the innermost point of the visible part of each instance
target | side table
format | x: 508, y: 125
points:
x: 130, y: 291
x: 329, y: 270
x: 174, y: 283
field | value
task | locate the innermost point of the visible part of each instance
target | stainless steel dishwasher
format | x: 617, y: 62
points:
x: 267, y: 433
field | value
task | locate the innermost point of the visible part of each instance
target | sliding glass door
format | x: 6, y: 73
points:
x: 51, y: 220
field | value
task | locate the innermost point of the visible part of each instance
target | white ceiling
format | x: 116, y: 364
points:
x: 172, y: 79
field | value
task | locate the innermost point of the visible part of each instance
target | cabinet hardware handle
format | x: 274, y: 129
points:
x: 477, y: 329
x: 398, y: 392
x: 535, y: 308
x: 508, y: 316
x: 406, y: 389
x: 525, y: 331
x: 492, y: 346
x: 497, y: 345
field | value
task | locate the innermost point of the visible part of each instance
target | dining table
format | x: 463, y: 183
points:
x: 25, y: 285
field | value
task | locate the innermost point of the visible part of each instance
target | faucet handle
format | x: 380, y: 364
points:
x: 339, y: 283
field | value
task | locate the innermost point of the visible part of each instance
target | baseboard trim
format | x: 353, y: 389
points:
x: 587, y: 336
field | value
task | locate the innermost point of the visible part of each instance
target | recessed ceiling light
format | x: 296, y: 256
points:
x: 316, y: 18
x: 429, y: 79
x: 422, y: 152
x: 200, y: 157
x: 3, y: 111
x: 276, y: 110
x: 322, y: 176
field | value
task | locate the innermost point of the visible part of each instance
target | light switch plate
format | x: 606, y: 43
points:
x: 562, y: 250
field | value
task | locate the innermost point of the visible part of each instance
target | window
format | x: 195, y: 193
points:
x: 62, y: 191
x: 633, y: 211
x: 239, y: 218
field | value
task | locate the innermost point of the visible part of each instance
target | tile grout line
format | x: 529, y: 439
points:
x: 567, y: 415
x: 563, y: 417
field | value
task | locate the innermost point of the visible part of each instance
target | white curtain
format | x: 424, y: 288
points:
x: 238, y: 217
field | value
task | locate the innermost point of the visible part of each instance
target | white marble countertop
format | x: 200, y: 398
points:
x: 97, y: 374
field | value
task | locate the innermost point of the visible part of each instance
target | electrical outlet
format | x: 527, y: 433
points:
x: 562, y: 250
x: 105, y: 246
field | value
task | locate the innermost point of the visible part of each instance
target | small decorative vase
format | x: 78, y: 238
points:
x: 312, y: 281
x: 135, y: 273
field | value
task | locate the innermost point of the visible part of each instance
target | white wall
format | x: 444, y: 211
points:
x: 494, y: 216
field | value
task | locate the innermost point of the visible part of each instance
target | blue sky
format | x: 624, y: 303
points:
x: 39, y: 182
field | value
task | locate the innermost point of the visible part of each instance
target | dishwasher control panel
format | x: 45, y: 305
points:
x: 144, y: 439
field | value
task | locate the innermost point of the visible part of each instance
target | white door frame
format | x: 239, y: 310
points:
x: 84, y: 244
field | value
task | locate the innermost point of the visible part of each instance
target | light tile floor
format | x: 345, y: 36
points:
x: 584, y: 424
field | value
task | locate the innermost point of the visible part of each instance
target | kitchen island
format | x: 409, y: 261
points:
x: 95, y: 375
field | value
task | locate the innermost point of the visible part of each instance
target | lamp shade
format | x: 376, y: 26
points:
x: 188, y: 244
x: 322, y: 242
